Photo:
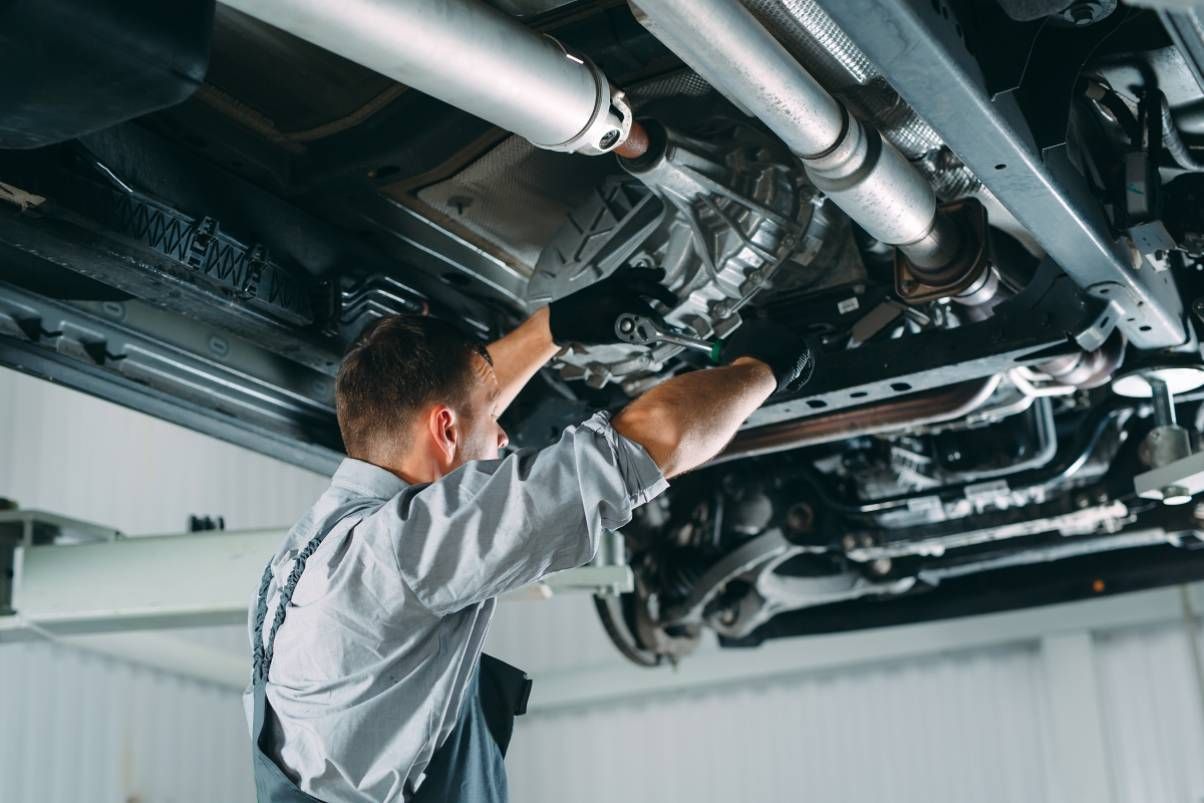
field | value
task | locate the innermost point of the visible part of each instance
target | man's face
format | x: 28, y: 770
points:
x: 482, y: 437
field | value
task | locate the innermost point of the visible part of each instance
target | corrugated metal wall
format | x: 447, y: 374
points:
x: 79, y: 728
x: 1152, y: 700
x: 984, y: 724
x: 977, y: 725
x: 70, y: 454
x: 947, y: 728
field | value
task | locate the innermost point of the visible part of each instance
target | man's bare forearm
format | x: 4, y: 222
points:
x: 519, y: 355
x: 687, y: 420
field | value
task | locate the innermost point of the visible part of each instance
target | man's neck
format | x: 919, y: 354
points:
x: 411, y: 469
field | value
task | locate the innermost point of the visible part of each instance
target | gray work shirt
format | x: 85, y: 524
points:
x: 389, y: 618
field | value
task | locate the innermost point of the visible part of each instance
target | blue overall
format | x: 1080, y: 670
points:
x: 467, y: 768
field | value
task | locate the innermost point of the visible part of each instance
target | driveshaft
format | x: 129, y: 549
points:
x: 472, y: 56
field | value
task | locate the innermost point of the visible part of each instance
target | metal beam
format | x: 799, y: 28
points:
x: 250, y: 398
x: 1051, y: 317
x: 1186, y: 29
x: 180, y: 581
x: 921, y: 52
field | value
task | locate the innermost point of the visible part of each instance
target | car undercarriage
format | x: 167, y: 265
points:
x: 986, y: 215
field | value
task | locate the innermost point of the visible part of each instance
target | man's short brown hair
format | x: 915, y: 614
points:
x: 396, y: 367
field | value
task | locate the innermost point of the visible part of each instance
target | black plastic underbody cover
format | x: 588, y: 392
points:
x: 70, y: 67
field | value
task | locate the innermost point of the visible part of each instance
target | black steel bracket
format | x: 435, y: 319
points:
x: 1050, y: 318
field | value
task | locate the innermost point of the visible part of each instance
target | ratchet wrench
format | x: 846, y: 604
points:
x: 643, y: 331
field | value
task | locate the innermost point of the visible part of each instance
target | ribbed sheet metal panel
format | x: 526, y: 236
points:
x: 964, y: 727
x: 78, y: 727
x: 72, y: 454
x: 1153, y: 708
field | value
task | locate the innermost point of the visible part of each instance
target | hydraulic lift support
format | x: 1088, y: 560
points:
x: 73, y: 578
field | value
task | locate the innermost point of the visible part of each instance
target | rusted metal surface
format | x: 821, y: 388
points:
x: 945, y: 404
x: 636, y: 144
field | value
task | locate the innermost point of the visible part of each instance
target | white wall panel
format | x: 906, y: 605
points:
x: 555, y: 635
x: 962, y: 727
x: 1153, y: 706
x: 71, y: 454
x: 75, y: 727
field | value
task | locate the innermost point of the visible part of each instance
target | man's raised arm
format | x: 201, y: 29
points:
x: 520, y: 354
x: 586, y: 317
x: 687, y: 420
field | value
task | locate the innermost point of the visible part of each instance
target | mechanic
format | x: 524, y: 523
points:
x: 373, y: 687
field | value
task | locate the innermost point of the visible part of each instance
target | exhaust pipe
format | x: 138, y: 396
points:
x: 865, y: 176
x: 471, y: 56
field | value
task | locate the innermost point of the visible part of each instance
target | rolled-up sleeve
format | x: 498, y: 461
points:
x: 493, y: 526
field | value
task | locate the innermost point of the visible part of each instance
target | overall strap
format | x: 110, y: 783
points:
x: 261, y: 654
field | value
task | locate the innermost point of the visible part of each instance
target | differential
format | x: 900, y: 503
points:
x: 722, y: 217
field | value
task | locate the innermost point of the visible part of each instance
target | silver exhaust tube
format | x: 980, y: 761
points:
x: 471, y: 56
x: 865, y: 176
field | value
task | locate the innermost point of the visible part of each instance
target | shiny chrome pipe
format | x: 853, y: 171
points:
x: 470, y: 55
x: 865, y: 176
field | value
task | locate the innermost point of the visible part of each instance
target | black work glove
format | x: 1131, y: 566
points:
x: 790, y: 356
x: 588, y: 316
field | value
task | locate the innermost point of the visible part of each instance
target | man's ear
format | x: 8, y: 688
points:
x: 444, y: 426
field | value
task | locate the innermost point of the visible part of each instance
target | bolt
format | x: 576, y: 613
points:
x: 1175, y: 495
x: 908, y: 286
x: 801, y: 518
x: 1082, y: 13
x: 626, y: 325
x: 1198, y: 308
x: 881, y: 566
